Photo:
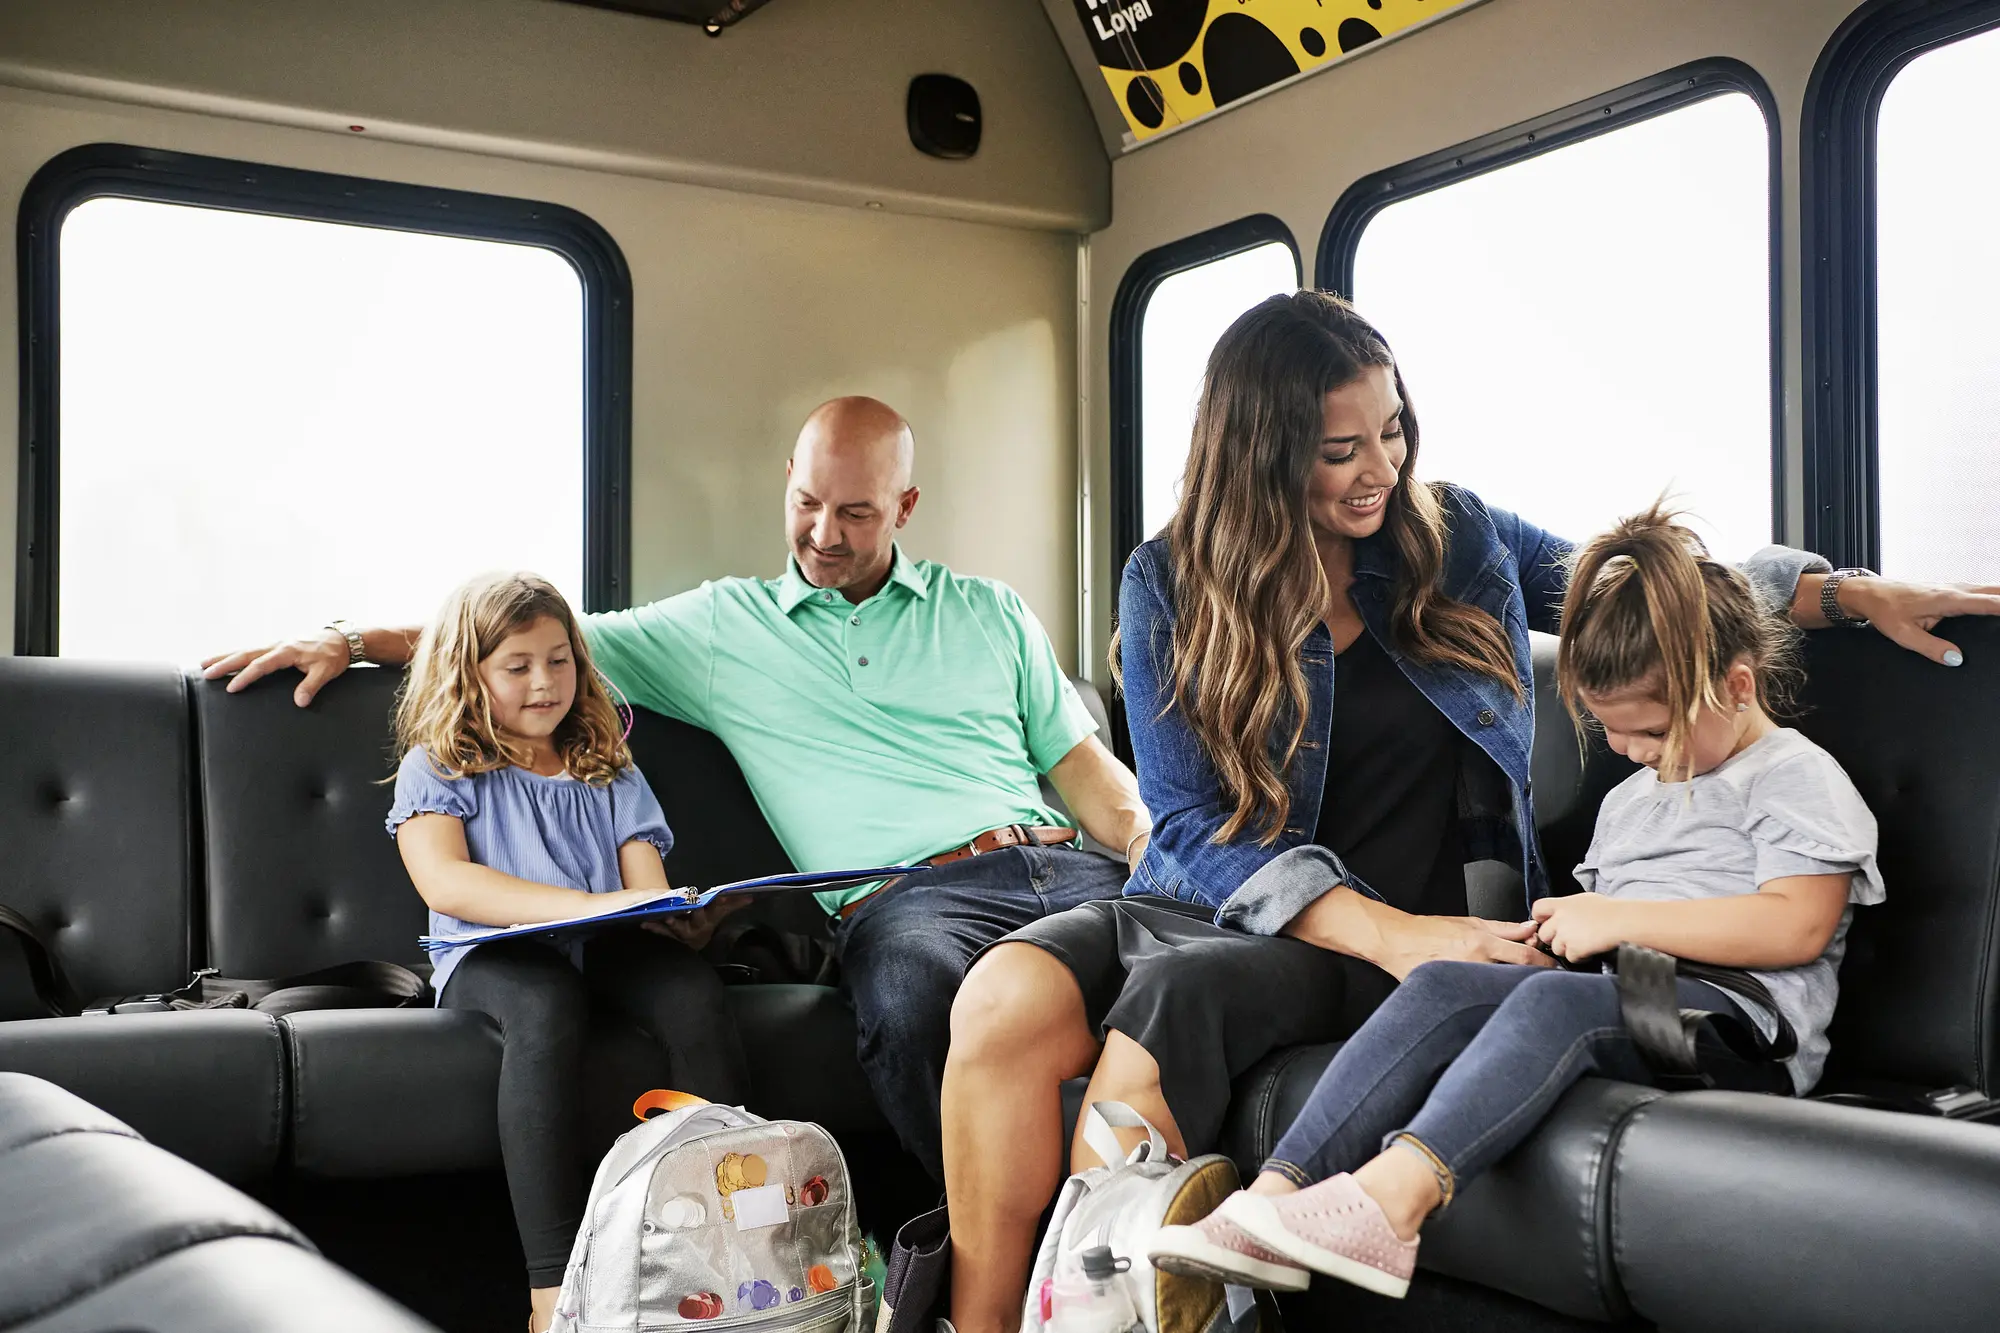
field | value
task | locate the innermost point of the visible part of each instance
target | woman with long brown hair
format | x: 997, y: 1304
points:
x: 1327, y: 675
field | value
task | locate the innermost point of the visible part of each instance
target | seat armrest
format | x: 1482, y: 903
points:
x: 1735, y: 1211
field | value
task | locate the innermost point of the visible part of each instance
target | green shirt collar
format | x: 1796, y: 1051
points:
x: 793, y: 588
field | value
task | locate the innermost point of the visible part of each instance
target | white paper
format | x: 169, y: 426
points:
x: 760, y: 1207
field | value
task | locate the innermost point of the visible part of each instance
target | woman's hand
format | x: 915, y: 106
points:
x: 1465, y: 939
x: 1580, y: 925
x: 1904, y: 612
x: 1344, y: 921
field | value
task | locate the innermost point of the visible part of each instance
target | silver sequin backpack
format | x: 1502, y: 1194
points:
x: 712, y: 1218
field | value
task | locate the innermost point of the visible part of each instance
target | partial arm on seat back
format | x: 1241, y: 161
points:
x: 320, y: 658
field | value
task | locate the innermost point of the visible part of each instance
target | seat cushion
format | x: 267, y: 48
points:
x: 1735, y: 1211
x: 347, y: 1065
x: 94, y: 817
x: 84, y: 1209
x: 207, y: 1085
x: 32, y: 1109
x: 1536, y: 1225
x: 242, y: 1284
x: 800, y: 1042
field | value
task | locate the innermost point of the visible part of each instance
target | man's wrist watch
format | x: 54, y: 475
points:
x: 357, y: 652
x: 1829, y: 597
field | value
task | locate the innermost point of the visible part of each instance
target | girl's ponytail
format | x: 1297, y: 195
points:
x: 1648, y: 609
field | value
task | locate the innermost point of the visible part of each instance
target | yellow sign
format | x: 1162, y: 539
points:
x: 1169, y: 62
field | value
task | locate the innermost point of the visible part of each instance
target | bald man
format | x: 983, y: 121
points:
x: 885, y: 712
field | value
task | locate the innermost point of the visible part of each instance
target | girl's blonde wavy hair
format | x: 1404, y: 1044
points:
x: 443, y: 705
x: 1647, y: 609
x: 1248, y: 585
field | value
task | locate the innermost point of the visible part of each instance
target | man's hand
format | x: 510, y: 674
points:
x: 321, y: 659
x: 1904, y: 612
x: 1580, y: 925
x: 1469, y: 939
x: 695, y: 929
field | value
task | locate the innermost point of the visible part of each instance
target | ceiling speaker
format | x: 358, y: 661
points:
x: 944, y: 116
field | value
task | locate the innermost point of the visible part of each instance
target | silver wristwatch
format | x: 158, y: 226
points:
x: 1829, y: 597
x: 356, y: 652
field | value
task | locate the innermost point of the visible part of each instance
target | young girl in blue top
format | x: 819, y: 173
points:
x: 1738, y: 843
x: 516, y: 802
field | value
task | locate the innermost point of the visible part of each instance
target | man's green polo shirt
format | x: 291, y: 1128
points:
x: 877, y: 734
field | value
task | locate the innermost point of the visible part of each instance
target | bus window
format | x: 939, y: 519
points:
x: 1586, y: 328
x: 1186, y: 313
x: 1937, y: 286
x: 266, y: 420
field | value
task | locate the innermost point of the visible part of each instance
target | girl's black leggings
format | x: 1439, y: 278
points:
x: 542, y: 1005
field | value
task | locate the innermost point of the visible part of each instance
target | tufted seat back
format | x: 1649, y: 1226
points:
x: 1920, y: 988
x: 299, y: 872
x: 95, y: 845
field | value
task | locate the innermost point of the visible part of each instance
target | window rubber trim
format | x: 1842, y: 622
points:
x: 1128, y: 318
x: 1837, y: 204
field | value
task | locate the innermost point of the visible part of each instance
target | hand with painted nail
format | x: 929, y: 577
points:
x: 1908, y: 612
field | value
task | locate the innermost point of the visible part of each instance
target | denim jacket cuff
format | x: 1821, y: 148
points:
x: 1775, y: 572
x: 1286, y: 885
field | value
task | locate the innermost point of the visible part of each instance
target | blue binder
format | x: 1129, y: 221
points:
x: 673, y: 900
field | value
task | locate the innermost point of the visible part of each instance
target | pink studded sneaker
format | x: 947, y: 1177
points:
x: 1332, y: 1228
x: 1214, y: 1249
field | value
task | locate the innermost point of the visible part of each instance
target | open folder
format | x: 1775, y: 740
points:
x: 670, y: 901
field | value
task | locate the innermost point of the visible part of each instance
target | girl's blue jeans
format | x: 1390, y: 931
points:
x: 1467, y: 1058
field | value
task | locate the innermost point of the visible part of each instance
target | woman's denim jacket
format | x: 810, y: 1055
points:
x: 1508, y: 568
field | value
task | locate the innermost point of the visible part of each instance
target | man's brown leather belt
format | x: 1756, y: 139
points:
x: 993, y: 840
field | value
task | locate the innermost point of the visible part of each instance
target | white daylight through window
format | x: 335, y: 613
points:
x: 1583, y: 330
x: 268, y: 422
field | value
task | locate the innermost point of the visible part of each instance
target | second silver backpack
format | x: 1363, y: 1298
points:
x: 1120, y: 1207
x: 712, y: 1218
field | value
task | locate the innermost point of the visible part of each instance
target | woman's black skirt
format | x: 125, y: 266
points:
x: 1205, y: 1002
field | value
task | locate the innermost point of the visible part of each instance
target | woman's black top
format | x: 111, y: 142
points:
x: 1390, y: 808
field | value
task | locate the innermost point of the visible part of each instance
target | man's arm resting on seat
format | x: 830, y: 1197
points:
x: 320, y: 658
x: 1104, y: 796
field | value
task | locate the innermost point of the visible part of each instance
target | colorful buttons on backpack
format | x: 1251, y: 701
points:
x: 758, y: 1295
x: 820, y: 1278
x: 701, y: 1305
x: 683, y: 1213
x: 814, y: 1191
x: 796, y: 1294
x: 739, y: 1171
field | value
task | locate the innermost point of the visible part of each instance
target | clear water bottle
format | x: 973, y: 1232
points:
x: 1091, y: 1297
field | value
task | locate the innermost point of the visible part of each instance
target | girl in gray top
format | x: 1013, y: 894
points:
x: 1739, y: 843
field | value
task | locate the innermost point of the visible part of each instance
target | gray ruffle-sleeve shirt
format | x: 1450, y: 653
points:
x: 1781, y: 807
x: 548, y: 830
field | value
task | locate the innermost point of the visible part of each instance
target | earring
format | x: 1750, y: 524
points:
x: 1743, y: 708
